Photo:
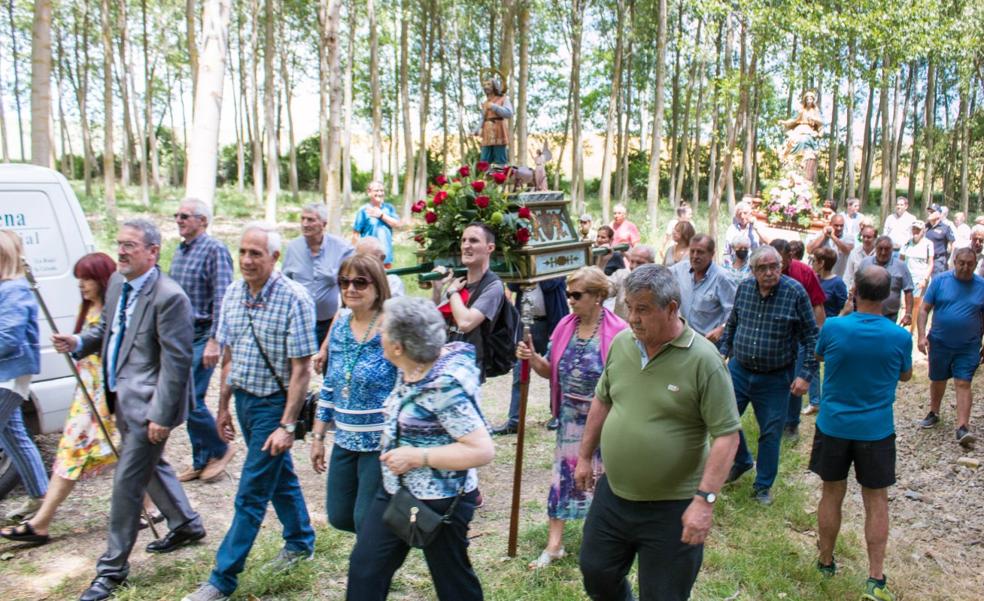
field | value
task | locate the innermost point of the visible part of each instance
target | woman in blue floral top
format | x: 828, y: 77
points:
x: 435, y: 436
x: 357, y: 381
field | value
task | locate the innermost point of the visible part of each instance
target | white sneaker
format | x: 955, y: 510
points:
x: 206, y: 592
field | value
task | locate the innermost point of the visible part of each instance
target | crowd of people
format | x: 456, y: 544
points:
x: 643, y: 360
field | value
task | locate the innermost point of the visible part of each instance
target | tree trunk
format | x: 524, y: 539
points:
x: 126, y: 158
x: 462, y: 134
x: 377, y: 111
x: 684, y: 137
x: 332, y: 179
x: 66, y: 140
x: 149, y: 128
x: 929, y: 132
x: 203, y: 147
x: 713, y: 143
x: 40, y: 84
x: 652, y: 185
x: 673, y: 141
x: 42, y: 11
x: 269, y: 113
x: 80, y: 83
x: 725, y: 178
x: 563, y: 139
x: 291, y: 144
x: 965, y: 112
x: 623, y: 186
x: 395, y: 131
x: 898, y: 130
x: 577, y: 152
x: 242, y: 117
x: 848, y: 189
x: 445, y: 134
x: 347, y: 104
x: 506, y: 55
x: 190, y: 29
x: 4, y: 152
x: 914, y: 159
x: 605, y: 191
x: 254, y: 84
x: 522, y: 127
x: 426, y: 54
x: 109, y: 164
x: 698, y: 114
x: 405, y: 100
x: 866, y: 145
x: 832, y: 164
x: 887, y: 147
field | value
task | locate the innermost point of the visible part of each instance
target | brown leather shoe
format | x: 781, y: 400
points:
x: 217, y: 465
x: 189, y: 474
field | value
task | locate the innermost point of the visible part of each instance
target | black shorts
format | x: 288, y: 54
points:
x: 874, y: 460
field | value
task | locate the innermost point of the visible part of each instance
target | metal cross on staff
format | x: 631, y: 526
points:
x: 78, y: 378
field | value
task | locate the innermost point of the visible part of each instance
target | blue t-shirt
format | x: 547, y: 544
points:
x: 836, y: 291
x: 377, y: 228
x: 864, y: 356
x: 957, y: 307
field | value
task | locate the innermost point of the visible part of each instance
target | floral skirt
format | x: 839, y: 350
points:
x: 565, y: 501
x: 83, y: 450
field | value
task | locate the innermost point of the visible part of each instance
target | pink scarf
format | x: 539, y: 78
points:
x: 611, y: 324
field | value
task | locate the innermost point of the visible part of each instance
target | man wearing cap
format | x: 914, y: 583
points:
x: 585, y: 229
x: 898, y: 225
x: 940, y: 235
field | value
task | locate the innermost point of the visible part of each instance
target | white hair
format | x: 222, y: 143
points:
x: 199, y: 208
x: 620, y: 207
x: 318, y: 208
x: 272, y: 235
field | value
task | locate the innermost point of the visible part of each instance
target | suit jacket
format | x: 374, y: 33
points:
x: 153, y: 371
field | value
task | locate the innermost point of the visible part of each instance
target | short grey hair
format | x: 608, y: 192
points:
x: 646, y: 251
x: 151, y: 235
x: 881, y: 239
x: 375, y: 184
x: 977, y: 229
x: 272, y: 235
x: 657, y: 280
x: 742, y: 205
x: 764, y: 251
x: 318, y: 208
x: 199, y: 208
x: 417, y: 325
x: 964, y: 250
x: 370, y: 245
x: 620, y: 206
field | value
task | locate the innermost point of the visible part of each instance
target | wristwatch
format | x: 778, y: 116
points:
x: 289, y: 427
x: 708, y: 496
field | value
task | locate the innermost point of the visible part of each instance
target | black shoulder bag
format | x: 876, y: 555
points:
x: 305, y: 419
x: 412, y: 519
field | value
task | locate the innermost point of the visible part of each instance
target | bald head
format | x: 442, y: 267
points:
x: 873, y: 283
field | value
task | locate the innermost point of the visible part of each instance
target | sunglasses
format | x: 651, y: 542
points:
x: 183, y: 216
x: 575, y: 294
x: 359, y: 283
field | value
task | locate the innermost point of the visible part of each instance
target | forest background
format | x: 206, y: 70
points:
x: 646, y: 102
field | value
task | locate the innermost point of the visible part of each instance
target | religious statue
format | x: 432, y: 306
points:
x: 535, y: 178
x: 494, y: 127
x: 802, y: 136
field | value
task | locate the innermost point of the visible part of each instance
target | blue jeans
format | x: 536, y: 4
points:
x: 541, y: 337
x: 18, y: 445
x: 265, y: 478
x: 768, y: 393
x: 205, y: 441
x: 354, y: 479
x: 796, y: 400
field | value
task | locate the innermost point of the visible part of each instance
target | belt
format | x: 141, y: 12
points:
x: 762, y: 372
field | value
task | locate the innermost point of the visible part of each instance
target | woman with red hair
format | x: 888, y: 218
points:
x: 83, y: 450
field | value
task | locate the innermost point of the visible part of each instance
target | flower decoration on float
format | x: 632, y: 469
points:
x: 790, y: 200
x: 475, y: 195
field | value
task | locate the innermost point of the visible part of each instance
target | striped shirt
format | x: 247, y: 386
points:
x: 766, y: 334
x: 202, y: 267
x: 283, y: 319
x: 359, y: 416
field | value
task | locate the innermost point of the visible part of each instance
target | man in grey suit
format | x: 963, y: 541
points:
x: 145, y: 338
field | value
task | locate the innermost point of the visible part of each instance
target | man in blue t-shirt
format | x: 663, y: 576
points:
x: 865, y: 355
x: 956, y: 299
x: 377, y: 219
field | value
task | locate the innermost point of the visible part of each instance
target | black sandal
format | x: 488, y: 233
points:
x: 25, y: 533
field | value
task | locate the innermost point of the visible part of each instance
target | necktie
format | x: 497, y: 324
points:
x: 121, y: 315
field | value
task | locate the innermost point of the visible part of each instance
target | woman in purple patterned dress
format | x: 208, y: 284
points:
x: 573, y: 363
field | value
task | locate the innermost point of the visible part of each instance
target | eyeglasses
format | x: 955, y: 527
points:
x: 768, y: 267
x: 359, y: 283
x: 183, y: 216
x: 129, y: 246
x: 576, y: 295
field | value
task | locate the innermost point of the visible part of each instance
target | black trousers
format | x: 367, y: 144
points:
x: 616, y: 530
x: 379, y: 553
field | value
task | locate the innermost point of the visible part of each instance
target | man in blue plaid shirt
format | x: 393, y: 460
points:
x: 203, y: 268
x: 265, y: 313
x: 772, y: 321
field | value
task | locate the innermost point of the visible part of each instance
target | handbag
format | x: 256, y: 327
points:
x: 411, y: 519
x: 305, y: 418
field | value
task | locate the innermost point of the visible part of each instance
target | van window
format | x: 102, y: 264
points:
x: 30, y: 214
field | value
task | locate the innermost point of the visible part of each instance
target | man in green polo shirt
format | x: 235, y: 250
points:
x: 663, y: 391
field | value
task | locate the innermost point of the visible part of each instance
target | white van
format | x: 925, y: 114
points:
x: 38, y: 204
